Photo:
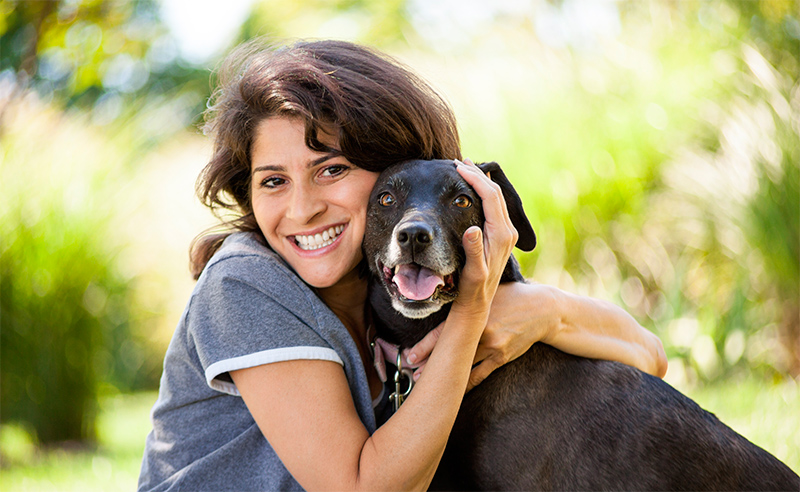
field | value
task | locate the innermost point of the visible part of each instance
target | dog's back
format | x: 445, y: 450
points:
x: 552, y: 421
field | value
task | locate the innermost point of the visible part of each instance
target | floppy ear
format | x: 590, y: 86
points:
x: 527, y: 238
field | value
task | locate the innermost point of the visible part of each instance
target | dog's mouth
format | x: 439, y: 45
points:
x: 412, y: 283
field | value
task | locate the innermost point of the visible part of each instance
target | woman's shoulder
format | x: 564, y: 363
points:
x: 243, y: 245
x: 245, y: 259
x: 241, y: 251
x: 244, y: 254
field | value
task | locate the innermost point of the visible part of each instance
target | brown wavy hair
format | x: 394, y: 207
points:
x: 381, y: 112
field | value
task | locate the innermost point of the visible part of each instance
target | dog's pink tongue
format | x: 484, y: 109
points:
x: 415, y: 282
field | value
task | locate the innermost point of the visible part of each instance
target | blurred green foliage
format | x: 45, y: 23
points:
x: 661, y: 170
x: 70, y: 321
x: 99, y: 55
x: 58, y: 301
x: 112, y: 465
x: 382, y: 23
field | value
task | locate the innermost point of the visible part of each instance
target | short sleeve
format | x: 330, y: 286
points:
x: 248, y: 312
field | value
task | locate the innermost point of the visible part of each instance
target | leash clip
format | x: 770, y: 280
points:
x: 398, y: 397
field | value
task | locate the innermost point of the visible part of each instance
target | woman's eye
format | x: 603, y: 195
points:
x: 462, y: 201
x: 272, y: 182
x: 334, y: 170
x: 386, y: 199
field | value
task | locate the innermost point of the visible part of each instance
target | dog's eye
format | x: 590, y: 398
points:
x: 386, y: 199
x: 462, y: 201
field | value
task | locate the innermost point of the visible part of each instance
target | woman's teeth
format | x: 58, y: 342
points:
x: 316, y: 241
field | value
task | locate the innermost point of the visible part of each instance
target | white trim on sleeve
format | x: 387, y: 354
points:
x: 264, y: 357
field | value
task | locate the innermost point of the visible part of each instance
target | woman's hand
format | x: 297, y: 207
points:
x: 488, y: 249
x: 514, y: 325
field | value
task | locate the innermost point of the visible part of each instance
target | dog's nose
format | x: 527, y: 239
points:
x: 415, y: 234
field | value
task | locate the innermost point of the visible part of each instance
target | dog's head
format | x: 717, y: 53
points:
x: 417, y: 214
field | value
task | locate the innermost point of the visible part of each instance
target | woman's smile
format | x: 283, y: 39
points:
x: 316, y: 241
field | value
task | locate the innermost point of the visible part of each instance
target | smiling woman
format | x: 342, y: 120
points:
x: 275, y: 341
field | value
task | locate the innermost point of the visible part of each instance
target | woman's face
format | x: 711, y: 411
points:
x: 310, y: 206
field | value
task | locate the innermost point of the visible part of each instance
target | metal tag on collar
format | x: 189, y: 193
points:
x: 398, y: 397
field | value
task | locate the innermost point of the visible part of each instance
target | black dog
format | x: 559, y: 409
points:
x: 547, y: 420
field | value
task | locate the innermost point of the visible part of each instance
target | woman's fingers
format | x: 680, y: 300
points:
x: 497, y: 220
x: 476, y: 267
x: 422, y: 350
x: 499, y: 233
x: 481, y: 372
x: 497, y: 348
x: 494, y: 204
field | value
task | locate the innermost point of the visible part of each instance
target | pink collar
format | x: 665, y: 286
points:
x: 383, y: 352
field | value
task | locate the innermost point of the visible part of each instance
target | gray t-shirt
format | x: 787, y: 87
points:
x: 247, y: 309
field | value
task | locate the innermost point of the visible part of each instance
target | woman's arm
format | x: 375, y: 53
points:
x: 305, y: 410
x: 523, y: 314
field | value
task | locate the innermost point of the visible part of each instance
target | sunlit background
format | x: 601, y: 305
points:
x: 656, y: 145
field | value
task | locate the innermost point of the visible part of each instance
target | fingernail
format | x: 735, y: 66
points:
x: 412, y: 357
x: 474, y: 235
x: 417, y: 375
x: 457, y: 162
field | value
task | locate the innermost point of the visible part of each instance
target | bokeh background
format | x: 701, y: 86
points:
x: 655, y: 143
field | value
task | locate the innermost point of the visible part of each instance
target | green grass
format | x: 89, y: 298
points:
x: 764, y: 413
x: 114, y: 464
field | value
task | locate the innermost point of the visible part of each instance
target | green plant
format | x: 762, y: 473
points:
x: 661, y: 169
x: 67, y: 314
x: 57, y: 288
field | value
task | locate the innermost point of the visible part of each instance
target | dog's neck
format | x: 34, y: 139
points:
x: 396, y: 328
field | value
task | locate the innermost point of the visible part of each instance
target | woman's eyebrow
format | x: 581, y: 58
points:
x: 319, y: 160
x: 268, y: 168
x: 311, y: 164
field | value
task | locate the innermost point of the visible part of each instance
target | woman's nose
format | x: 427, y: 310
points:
x: 304, y: 204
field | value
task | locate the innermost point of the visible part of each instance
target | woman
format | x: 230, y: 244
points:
x: 274, y: 342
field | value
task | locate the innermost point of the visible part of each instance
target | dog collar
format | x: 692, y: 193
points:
x: 384, y: 351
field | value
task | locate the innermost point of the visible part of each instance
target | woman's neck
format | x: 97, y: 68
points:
x: 346, y: 299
